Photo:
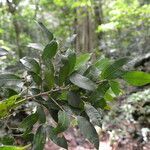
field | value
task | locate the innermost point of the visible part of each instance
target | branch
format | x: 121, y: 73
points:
x: 57, y: 104
x: 46, y: 93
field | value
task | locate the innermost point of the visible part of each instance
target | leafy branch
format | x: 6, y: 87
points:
x: 71, y: 90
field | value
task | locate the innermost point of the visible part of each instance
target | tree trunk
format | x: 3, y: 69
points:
x: 84, y: 30
x: 75, y: 24
x: 12, y: 9
x: 36, y: 8
x: 17, y: 32
x: 98, y: 17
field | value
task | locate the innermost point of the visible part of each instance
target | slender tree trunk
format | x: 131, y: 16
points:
x: 84, y: 30
x: 89, y: 32
x: 36, y: 8
x: 12, y: 10
x: 98, y: 17
x: 75, y: 24
x: 17, y: 32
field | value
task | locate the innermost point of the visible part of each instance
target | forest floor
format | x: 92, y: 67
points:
x: 132, y: 141
x: 77, y: 142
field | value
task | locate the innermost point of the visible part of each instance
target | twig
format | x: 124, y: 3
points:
x: 45, y: 93
x: 57, y: 104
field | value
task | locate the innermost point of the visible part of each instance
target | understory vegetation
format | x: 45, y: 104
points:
x: 72, y: 65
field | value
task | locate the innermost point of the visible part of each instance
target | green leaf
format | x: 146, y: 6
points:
x: 7, y: 140
x: 64, y: 70
x: 71, y: 59
x: 36, y: 78
x: 82, y: 60
x: 115, y: 87
x: 60, y: 141
x: 112, y: 69
x: 102, y: 63
x: 99, y: 93
x: 39, y: 138
x: 9, y: 79
x: 3, y: 52
x: 92, y: 73
x: 74, y: 99
x: 31, y: 64
x: 37, y: 46
x: 48, y: 33
x: 63, y: 96
x: 109, y: 95
x: 102, y: 103
x: 28, y: 137
x: 88, y: 131
x: 137, y: 78
x: 48, y: 64
x: 54, y: 114
x: 118, y: 74
x: 63, y: 122
x: 49, y: 78
x: 10, y: 92
x: 10, y: 103
x: 50, y: 50
x: 28, y: 122
x: 94, y: 116
x: 41, y: 114
x: 5, y: 147
x: 82, y: 82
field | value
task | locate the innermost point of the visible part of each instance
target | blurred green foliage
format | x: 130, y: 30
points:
x: 124, y: 28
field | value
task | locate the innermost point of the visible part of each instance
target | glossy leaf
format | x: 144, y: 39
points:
x: 10, y: 103
x: 41, y: 114
x: 63, y: 122
x: 82, y: 82
x: 28, y: 122
x: 101, y: 104
x: 109, y: 95
x: 137, y: 78
x: 102, y: 64
x: 99, y: 93
x: 49, y: 78
x: 94, y: 116
x: 92, y: 73
x: 48, y: 33
x: 71, y: 59
x: 37, y: 46
x: 60, y: 141
x: 82, y: 60
x: 50, y: 50
x: 111, y: 70
x: 31, y: 64
x: 64, y: 70
x: 39, y: 138
x: 74, y: 99
x: 10, y: 92
x: 3, y: 52
x: 48, y: 74
x: 88, y: 131
x: 36, y: 78
x: 48, y: 64
x: 9, y: 78
x: 118, y: 74
x: 115, y: 87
